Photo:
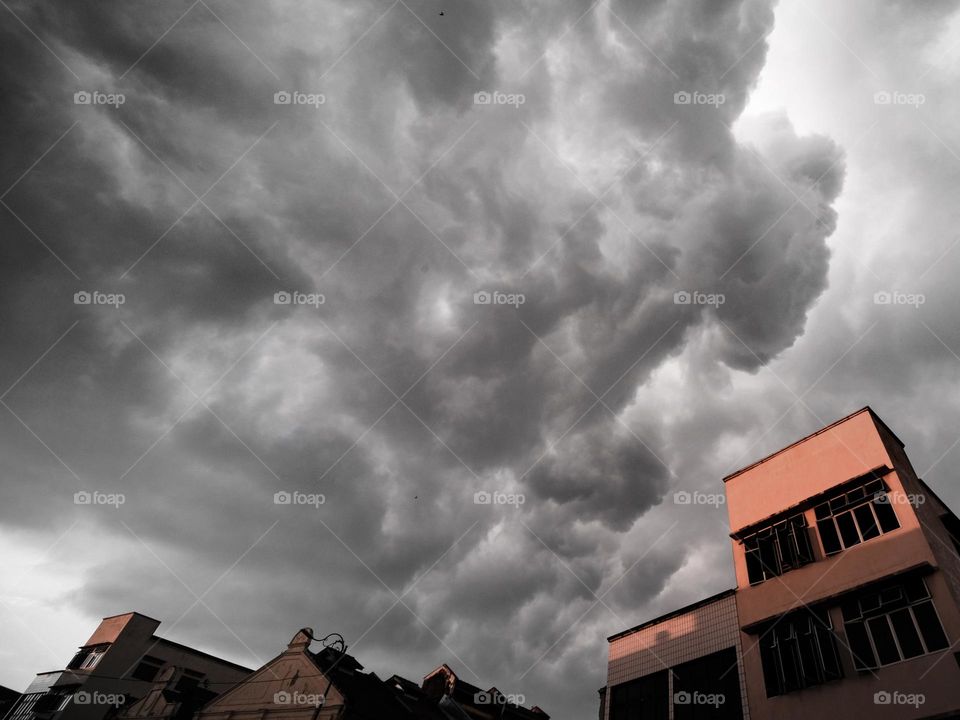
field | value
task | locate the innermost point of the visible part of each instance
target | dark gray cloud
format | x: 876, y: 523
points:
x: 598, y: 199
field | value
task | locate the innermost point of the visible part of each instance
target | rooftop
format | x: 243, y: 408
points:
x: 865, y: 408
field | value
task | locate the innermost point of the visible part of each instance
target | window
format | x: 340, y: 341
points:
x: 93, y: 657
x: 952, y: 525
x: 799, y: 651
x: 645, y: 697
x: 855, y: 516
x: 78, y: 659
x: 147, y: 669
x: 778, y: 548
x: 189, y: 680
x: 895, y: 623
x: 708, y: 687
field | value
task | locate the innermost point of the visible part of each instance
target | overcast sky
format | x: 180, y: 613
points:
x: 792, y: 167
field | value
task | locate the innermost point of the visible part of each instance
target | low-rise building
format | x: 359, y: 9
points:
x: 116, y: 666
x: 847, y: 600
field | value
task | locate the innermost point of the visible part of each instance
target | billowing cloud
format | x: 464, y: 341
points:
x: 570, y: 297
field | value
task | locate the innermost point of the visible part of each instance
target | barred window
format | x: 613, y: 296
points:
x: 895, y: 623
x: 777, y: 549
x: 799, y: 651
x: 853, y: 517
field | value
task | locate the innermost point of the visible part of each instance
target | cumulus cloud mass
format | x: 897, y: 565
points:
x: 492, y: 284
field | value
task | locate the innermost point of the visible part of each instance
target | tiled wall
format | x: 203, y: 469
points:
x: 703, y: 630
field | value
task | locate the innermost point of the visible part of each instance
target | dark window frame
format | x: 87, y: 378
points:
x: 799, y: 651
x: 868, y: 621
x: 951, y: 524
x: 147, y: 662
x: 778, y: 548
x: 647, y: 696
x: 855, y: 516
x: 189, y: 680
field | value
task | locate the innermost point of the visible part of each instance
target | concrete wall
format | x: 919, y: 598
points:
x: 935, y: 676
x: 836, y: 454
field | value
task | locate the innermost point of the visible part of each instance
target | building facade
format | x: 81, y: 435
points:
x: 116, y: 666
x: 125, y: 672
x: 329, y: 684
x: 847, y: 598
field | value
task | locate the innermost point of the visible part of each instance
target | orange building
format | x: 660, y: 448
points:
x: 847, y: 601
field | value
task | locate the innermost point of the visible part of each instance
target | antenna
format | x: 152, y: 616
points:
x: 336, y: 641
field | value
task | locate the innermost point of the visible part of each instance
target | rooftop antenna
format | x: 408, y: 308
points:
x: 333, y: 640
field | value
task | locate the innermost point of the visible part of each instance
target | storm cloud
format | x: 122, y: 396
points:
x: 401, y: 259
